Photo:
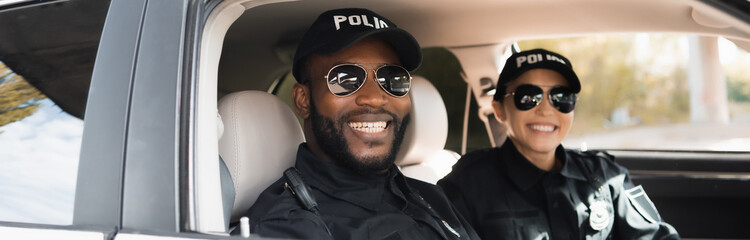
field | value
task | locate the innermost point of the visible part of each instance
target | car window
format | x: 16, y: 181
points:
x: 651, y: 91
x: 47, y: 53
x: 39, y: 147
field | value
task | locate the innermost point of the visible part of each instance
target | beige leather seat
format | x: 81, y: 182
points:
x: 261, y: 136
x: 422, y: 154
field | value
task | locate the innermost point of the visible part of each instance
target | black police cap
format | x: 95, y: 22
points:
x: 519, y: 63
x: 338, y: 29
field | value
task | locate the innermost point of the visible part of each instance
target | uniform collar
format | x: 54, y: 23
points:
x: 341, y: 183
x: 525, y: 175
x: 570, y: 169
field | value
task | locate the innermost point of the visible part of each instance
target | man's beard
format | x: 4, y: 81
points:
x: 329, y: 135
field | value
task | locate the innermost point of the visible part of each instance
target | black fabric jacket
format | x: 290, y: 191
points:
x: 504, y: 196
x: 354, y: 206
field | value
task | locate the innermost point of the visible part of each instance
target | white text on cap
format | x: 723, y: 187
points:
x: 536, y: 57
x: 356, y: 20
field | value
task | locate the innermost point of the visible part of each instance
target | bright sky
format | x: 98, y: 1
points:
x: 728, y: 52
x: 39, y: 161
x: 9, y: 2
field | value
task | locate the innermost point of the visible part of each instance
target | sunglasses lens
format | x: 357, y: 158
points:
x: 394, y: 80
x: 563, y: 99
x: 346, y: 79
x: 527, y: 96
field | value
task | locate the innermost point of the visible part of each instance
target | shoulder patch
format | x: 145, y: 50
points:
x: 642, y: 204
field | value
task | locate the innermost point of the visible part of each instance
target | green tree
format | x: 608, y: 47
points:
x: 18, y: 98
x: 738, y: 77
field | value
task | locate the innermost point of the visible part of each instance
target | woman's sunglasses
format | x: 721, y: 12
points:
x: 346, y: 79
x: 527, y: 96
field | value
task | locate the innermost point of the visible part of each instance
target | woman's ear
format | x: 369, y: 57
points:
x: 301, y: 99
x: 499, y: 111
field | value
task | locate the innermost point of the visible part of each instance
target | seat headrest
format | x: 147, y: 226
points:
x: 428, y: 128
x: 261, y: 136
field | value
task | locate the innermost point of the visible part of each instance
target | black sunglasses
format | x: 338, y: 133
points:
x: 527, y: 96
x: 346, y: 79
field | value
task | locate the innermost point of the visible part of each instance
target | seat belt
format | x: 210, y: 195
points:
x: 303, y: 193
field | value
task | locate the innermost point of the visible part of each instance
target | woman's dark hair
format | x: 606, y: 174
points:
x: 500, y: 93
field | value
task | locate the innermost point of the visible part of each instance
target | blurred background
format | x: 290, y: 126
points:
x: 645, y: 91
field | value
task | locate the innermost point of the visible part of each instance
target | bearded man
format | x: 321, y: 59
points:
x: 352, y: 68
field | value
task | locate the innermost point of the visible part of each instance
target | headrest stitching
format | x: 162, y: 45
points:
x: 235, y: 145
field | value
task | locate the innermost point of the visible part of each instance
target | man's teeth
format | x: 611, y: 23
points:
x: 543, y: 128
x: 368, y: 127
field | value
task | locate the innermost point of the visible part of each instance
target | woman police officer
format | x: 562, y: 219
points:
x: 533, y: 188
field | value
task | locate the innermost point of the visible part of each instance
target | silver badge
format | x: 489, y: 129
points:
x: 599, y: 217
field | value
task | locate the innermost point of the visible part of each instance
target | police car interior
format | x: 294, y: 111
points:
x: 233, y: 99
x: 688, y: 187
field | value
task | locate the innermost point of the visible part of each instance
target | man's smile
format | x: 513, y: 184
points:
x: 369, y: 127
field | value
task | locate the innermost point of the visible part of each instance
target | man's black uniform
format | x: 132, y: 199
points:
x: 504, y: 196
x: 355, y: 206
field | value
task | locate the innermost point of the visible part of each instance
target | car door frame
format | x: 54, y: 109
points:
x: 135, y: 146
x: 136, y: 169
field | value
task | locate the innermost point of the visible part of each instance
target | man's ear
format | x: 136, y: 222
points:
x: 499, y: 111
x: 301, y: 100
